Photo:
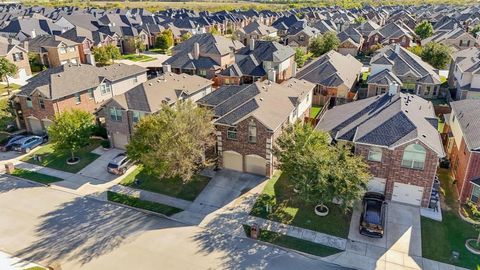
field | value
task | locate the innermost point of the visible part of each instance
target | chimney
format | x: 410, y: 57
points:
x: 196, y: 50
x: 392, y: 89
x: 166, y: 68
x: 252, y: 44
x: 294, y: 70
x: 397, y: 48
x: 272, y: 75
x: 33, y: 34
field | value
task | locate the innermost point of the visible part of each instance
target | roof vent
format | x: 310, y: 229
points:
x: 406, y: 111
x: 150, y: 84
x: 261, y: 99
x: 424, y: 136
x: 59, y: 75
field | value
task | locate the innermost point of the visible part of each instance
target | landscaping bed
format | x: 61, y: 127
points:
x: 35, y: 176
x: 174, y: 187
x: 287, y: 208
x: 57, y: 159
x: 147, y: 205
x: 293, y: 243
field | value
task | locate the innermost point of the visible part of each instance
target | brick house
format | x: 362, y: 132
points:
x: 397, y: 136
x: 392, y: 33
x: 463, y: 147
x: 71, y: 86
x: 249, y: 118
x: 255, y: 30
x: 17, y: 55
x: 53, y: 51
x: 123, y: 111
x: 457, y: 39
x: 464, y: 74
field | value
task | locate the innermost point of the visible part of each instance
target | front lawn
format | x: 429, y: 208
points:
x: 289, y: 209
x: 35, y: 176
x: 315, y: 110
x: 4, y: 88
x: 58, y: 159
x: 137, y: 58
x: 293, y: 243
x: 174, y: 187
x: 440, y: 239
x: 147, y: 205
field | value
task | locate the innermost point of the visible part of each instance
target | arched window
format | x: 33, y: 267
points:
x: 414, y: 157
x: 252, y: 132
x: 375, y: 154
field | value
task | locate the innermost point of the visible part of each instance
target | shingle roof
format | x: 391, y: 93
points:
x: 384, y: 77
x: 467, y: 114
x: 268, y: 51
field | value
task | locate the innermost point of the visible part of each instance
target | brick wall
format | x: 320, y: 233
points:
x: 461, y: 170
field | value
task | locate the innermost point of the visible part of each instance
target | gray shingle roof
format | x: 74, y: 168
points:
x: 467, y: 113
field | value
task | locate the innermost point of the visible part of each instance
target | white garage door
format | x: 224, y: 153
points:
x: 255, y: 164
x: 47, y: 123
x: 232, y: 161
x: 376, y: 185
x: 120, y: 140
x: 35, y: 125
x: 409, y: 194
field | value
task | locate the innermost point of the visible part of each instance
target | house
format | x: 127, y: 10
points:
x: 463, y: 148
x: 334, y: 75
x: 464, y: 74
x: 380, y: 83
x: 255, y: 30
x: 71, y: 86
x: 204, y: 55
x: 17, y: 55
x: 351, y: 41
x: 300, y: 34
x: 123, y: 111
x: 396, y: 134
x: 249, y: 118
x: 53, y: 51
x: 389, y: 34
x: 457, y: 39
x: 416, y: 75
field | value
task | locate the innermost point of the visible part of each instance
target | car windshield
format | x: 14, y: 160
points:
x: 373, y: 212
x: 112, y: 165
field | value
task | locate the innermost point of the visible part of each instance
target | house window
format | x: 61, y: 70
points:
x: 41, y: 102
x: 17, y: 56
x: 461, y: 43
x: 375, y: 154
x: 435, y: 90
x: 252, y: 132
x: 71, y: 49
x: 29, y: 103
x: 90, y: 94
x: 115, y: 114
x: 427, y: 90
x: 468, y: 43
x: 62, y: 50
x: 232, y: 133
x: 226, y: 81
x: 137, y: 115
x: 202, y: 72
x: 78, y: 98
x: 475, y: 194
x: 301, y: 38
x: 105, y: 88
x: 414, y: 157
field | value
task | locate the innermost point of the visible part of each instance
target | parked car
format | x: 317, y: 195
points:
x: 372, y: 220
x: 25, y: 145
x: 6, y: 144
x: 119, y: 164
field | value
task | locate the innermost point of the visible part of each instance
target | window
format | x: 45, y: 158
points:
x: 414, y: 157
x: 41, y: 102
x: 461, y: 43
x: 252, y: 132
x: 29, y: 103
x: 202, y: 72
x: 232, y: 133
x: 226, y: 81
x: 78, y: 98
x: 71, y: 49
x: 435, y: 90
x: 468, y: 43
x: 90, y: 93
x: 475, y: 194
x: 105, y: 88
x: 301, y: 38
x: 137, y: 115
x: 427, y: 90
x: 375, y: 154
x: 17, y: 56
x: 62, y: 50
x: 115, y: 114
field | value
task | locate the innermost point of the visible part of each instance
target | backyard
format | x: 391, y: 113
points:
x: 289, y: 209
x: 315, y: 110
x: 440, y: 239
x: 57, y: 159
x: 174, y: 187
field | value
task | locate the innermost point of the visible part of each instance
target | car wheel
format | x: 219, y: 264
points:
x: 27, y: 150
x: 123, y: 171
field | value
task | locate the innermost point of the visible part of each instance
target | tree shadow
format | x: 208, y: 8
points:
x: 8, y: 183
x: 83, y: 229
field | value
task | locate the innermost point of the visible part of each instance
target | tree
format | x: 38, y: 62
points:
x: 7, y: 69
x: 214, y: 31
x: 475, y: 31
x: 300, y: 57
x: 165, y: 40
x: 436, y: 54
x: 139, y: 45
x: 320, y: 172
x: 360, y: 20
x: 105, y: 55
x: 323, y: 44
x: 416, y: 50
x: 71, y: 130
x: 172, y: 142
x: 6, y: 113
x: 424, y: 29
x: 186, y: 36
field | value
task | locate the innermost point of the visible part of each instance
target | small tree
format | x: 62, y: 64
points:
x: 323, y: 44
x: 475, y: 31
x: 416, y: 50
x: 71, y: 130
x: 105, y: 55
x: 173, y: 141
x: 424, y: 29
x: 214, y: 30
x: 186, y: 36
x: 7, y: 69
x: 113, y: 52
x: 165, y: 40
x: 6, y: 113
x: 436, y: 54
x: 300, y: 57
x: 139, y: 45
x: 360, y: 19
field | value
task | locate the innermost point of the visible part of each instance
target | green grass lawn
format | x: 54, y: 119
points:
x: 35, y: 176
x: 289, y: 209
x: 293, y: 243
x: 315, y: 110
x: 439, y: 239
x: 3, y: 88
x: 35, y: 268
x: 365, y: 75
x: 174, y: 187
x: 58, y: 159
x: 441, y: 125
x: 137, y: 58
x: 147, y: 205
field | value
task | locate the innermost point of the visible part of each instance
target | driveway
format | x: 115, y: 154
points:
x: 98, y: 168
x: 83, y: 233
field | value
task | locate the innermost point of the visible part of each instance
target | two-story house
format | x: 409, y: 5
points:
x: 249, y: 118
x: 17, y: 55
x: 53, y: 51
x: 255, y: 30
x: 396, y: 134
x: 123, y: 111
x: 463, y: 148
x: 71, y: 86
x: 391, y: 33
x: 464, y: 74
x: 457, y: 39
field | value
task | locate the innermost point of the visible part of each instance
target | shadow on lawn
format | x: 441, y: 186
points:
x: 83, y: 229
x: 8, y: 184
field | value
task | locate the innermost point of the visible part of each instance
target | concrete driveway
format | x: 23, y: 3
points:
x: 98, y: 168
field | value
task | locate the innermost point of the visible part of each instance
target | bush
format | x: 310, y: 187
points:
x: 105, y: 144
x: 100, y: 131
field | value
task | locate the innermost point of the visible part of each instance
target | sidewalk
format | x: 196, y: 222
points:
x: 8, y: 262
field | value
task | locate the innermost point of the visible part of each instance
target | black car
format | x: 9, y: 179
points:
x: 119, y: 164
x: 372, y: 220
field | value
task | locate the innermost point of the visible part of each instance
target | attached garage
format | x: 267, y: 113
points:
x: 409, y: 194
x: 255, y: 164
x: 232, y: 161
x: 377, y: 184
x: 35, y: 125
x: 119, y: 140
x: 46, y: 123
